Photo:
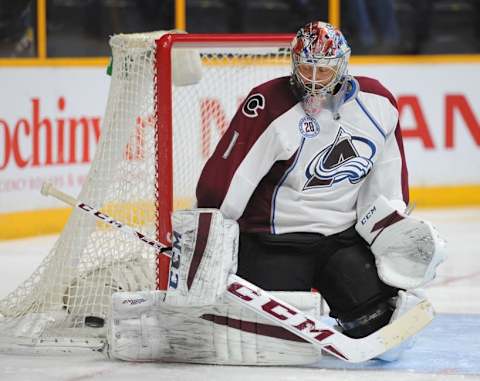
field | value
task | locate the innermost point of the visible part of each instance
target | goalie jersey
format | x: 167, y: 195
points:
x: 278, y: 170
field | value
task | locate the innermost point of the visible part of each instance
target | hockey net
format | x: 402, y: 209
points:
x: 171, y: 97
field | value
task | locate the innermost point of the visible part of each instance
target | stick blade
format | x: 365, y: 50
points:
x: 408, y: 324
x: 393, y: 334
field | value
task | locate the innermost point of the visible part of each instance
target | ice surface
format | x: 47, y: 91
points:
x: 449, y: 349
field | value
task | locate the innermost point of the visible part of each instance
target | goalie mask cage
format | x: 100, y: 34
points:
x: 171, y: 97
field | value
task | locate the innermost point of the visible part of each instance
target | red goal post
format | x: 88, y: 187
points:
x: 164, y: 110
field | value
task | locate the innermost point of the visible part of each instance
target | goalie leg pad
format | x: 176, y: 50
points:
x: 144, y: 328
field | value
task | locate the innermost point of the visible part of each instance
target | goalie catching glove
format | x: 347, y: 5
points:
x: 407, y: 250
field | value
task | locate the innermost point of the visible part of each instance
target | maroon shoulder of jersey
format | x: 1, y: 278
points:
x: 261, y: 107
x: 278, y: 96
x: 373, y: 86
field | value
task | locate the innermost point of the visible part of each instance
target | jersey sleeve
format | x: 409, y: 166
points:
x: 244, y: 154
x: 389, y: 176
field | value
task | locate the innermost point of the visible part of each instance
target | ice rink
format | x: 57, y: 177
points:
x: 449, y: 349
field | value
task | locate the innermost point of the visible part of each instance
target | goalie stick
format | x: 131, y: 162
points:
x: 318, y: 333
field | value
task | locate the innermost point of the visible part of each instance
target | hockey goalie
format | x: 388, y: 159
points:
x: 307, y: 190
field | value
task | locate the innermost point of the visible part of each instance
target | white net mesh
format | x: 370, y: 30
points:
x: 68, y: 296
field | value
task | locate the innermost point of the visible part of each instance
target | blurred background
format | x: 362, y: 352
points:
x: 80, y: 28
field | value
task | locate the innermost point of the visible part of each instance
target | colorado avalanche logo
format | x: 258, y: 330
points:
x: 347, y: 158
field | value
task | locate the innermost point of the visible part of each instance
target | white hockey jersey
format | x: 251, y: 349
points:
x: 278, y: 170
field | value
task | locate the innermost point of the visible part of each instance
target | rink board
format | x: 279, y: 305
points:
x: 449, y: 345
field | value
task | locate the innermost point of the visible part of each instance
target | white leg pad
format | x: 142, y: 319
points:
x: 144, y: 328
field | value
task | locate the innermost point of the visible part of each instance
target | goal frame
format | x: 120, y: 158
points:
x: 151, y: 115
x: 164, y: 117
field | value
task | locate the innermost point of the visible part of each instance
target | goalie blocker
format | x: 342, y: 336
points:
x: 204, y: 253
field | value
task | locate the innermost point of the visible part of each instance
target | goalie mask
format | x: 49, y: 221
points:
x: 320, y: 56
